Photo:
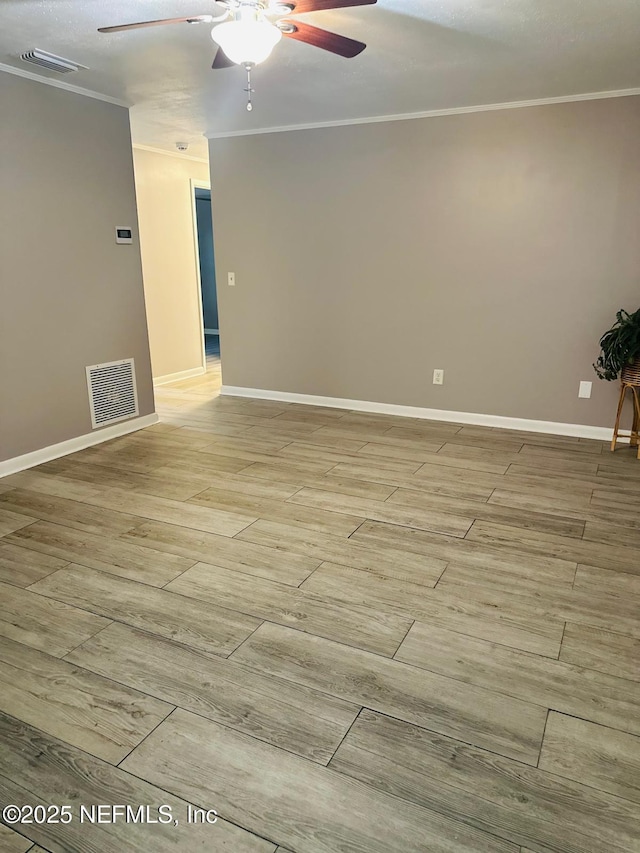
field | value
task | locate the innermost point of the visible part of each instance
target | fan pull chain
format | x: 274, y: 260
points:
x: 249, y: 90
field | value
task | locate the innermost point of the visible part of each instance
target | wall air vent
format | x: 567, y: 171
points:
x: 112, y: 392
x: 51, y: 62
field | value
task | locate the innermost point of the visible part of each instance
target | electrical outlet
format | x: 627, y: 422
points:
x: 584, y: 390
x: 438, y: 377
x: 231, y: 279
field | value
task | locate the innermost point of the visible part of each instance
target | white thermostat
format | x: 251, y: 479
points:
x: 123, y: 234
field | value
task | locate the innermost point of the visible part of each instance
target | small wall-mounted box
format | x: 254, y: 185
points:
x: 584, y: 391
x: 124, y: 234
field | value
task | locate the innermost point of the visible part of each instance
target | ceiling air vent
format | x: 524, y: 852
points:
x: 51, y: 62
x: 112, y: 392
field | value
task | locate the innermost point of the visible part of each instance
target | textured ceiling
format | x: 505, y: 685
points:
x: 422, y: 55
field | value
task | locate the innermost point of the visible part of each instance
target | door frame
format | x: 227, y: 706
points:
x: 195, y: 184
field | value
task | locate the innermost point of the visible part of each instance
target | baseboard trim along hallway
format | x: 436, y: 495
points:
x: 168, y: 378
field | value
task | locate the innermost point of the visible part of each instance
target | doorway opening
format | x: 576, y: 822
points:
x: 203, y: 227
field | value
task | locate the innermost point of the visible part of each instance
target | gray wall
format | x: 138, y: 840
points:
x: 496, y: 245
x: 69, y: 296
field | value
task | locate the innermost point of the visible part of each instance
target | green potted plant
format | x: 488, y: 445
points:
x: 620, y: 350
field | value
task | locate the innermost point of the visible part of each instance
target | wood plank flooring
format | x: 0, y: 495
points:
x: 342, y: 631
x: 11, y: 842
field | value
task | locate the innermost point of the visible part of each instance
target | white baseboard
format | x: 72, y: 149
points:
x: 551, y: 427
x: 64, y: 448
x: 176, y: 377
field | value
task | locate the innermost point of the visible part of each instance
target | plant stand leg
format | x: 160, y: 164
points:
x: 635, y: 429
x: 617, y: 426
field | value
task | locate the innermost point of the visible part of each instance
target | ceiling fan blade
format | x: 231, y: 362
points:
x: 222, y: 60
x: 301, y: 6
x: 323, y: 39
x: 194, y: 19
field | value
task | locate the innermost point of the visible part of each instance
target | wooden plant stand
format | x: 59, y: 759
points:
x: 630, y: 381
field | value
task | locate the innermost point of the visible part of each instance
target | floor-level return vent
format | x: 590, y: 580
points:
x: 112, y: 392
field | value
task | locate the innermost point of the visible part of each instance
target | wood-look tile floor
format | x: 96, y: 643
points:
x: 344, y: 632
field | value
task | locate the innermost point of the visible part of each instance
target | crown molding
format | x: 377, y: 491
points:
x: 177, y: 154
x: 62, y: 84
x: 480, y: 108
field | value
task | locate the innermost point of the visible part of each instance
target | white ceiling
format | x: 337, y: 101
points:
x: 422, y: 55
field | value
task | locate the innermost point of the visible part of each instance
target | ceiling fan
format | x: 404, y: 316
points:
x: 249, y: 37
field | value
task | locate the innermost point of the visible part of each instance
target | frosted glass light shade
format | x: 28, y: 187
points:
x: 246, y: 41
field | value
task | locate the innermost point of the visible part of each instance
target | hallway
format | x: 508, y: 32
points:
x: 183, y: 403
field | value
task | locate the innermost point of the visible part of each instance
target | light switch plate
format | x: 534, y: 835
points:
x: 585, y: 390
x: 231, y: 279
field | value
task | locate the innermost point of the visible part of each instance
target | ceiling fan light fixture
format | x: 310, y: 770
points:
x: 247, y: 42
x: 281, y: 8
